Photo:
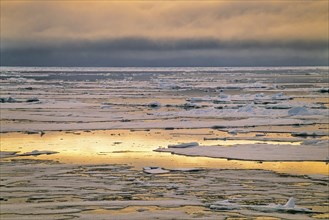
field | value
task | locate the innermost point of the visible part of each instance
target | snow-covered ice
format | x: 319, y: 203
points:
x: 50, y: 190
x: 155, y: 170
x: 6, y: 154
x: 113, y: 98
x: 288, y: 207
x: 257, y: 152
x: 184, y: 145
x: 258, y: 114
x: 38, y: 152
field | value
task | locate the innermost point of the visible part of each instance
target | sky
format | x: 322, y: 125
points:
x: 164, y: 33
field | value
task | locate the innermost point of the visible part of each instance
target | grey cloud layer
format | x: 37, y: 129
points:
x: 144, y: 44
x: 164, y: 33
x: 181, y: 52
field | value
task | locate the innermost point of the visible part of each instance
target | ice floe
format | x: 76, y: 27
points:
x: 184, y: 145
x: 288, y: 207
x: 38, y: 152
x: 186, y: 169
x: 154, y: 104
x: 99, y: 191
x: 33, y: 99
x: 8, y: 100
x: 257, y: 152
x: 160, y: 170
x: 310, y: 134
x: 199, y: 99
x: 281, y: 96
x: 224, y: 97
x: 155, y: 170
x: 324, y: 90
x: 5, y: 154
x: 298, y: 111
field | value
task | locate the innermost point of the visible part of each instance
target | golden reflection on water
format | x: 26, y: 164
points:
x: 136, y: 148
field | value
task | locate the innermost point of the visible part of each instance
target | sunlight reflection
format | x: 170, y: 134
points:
x: 136, y: 148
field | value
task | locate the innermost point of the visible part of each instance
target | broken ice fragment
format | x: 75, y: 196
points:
x: 172, y: 186
x: 154, y: 105
x: 308, y: 134
x: 184, y: 145
x: 155, y: 170
x: 188, y: 106
x: 290, y: 203
x: 324, y: 90
x: 186, y: 169
x: 259, y: 95
x: 8, y: 100
x: 288, y: 207
x: 105, y: 106
x: 223, y: 96
x: 280, y: 96
x: 247, y: 109
x: 37, y: 153
x: 195, y: 99
x: 298, y: 111
x: 5, y: 154
x: 34, y: 99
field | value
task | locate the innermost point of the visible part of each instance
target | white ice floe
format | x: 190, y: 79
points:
x: 199, y: 99
x: 280, y: 96
x: 298, y: 111
x: 172, y: 186
x: 184, y: 145
x: 185, y: 169
x: 233, y: 132
x: 195, y: 99
x: 47, y: 104
x: 290, y: 203
x: 259, y: 95
x: 82, y: 109
x: 91, y: 123
x: 160, y: 170
x: 155, y: 170
x: 6, y: 154
x: 288, y: 207
x: 247, y: 109
x: 316, y: 142
x: 224, y: 96
x: 106, y: 105
x: 167, y: 85
x: 240, y: 86
x: 258, y: 85
x: 37, y: 153
x: 256, y: 152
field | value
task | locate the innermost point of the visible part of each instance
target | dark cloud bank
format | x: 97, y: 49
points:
x: 168, y: 52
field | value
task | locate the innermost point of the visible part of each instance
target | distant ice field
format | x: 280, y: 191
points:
x: 145, y: 143
x: 269, y: 104
x: 110, y: 98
